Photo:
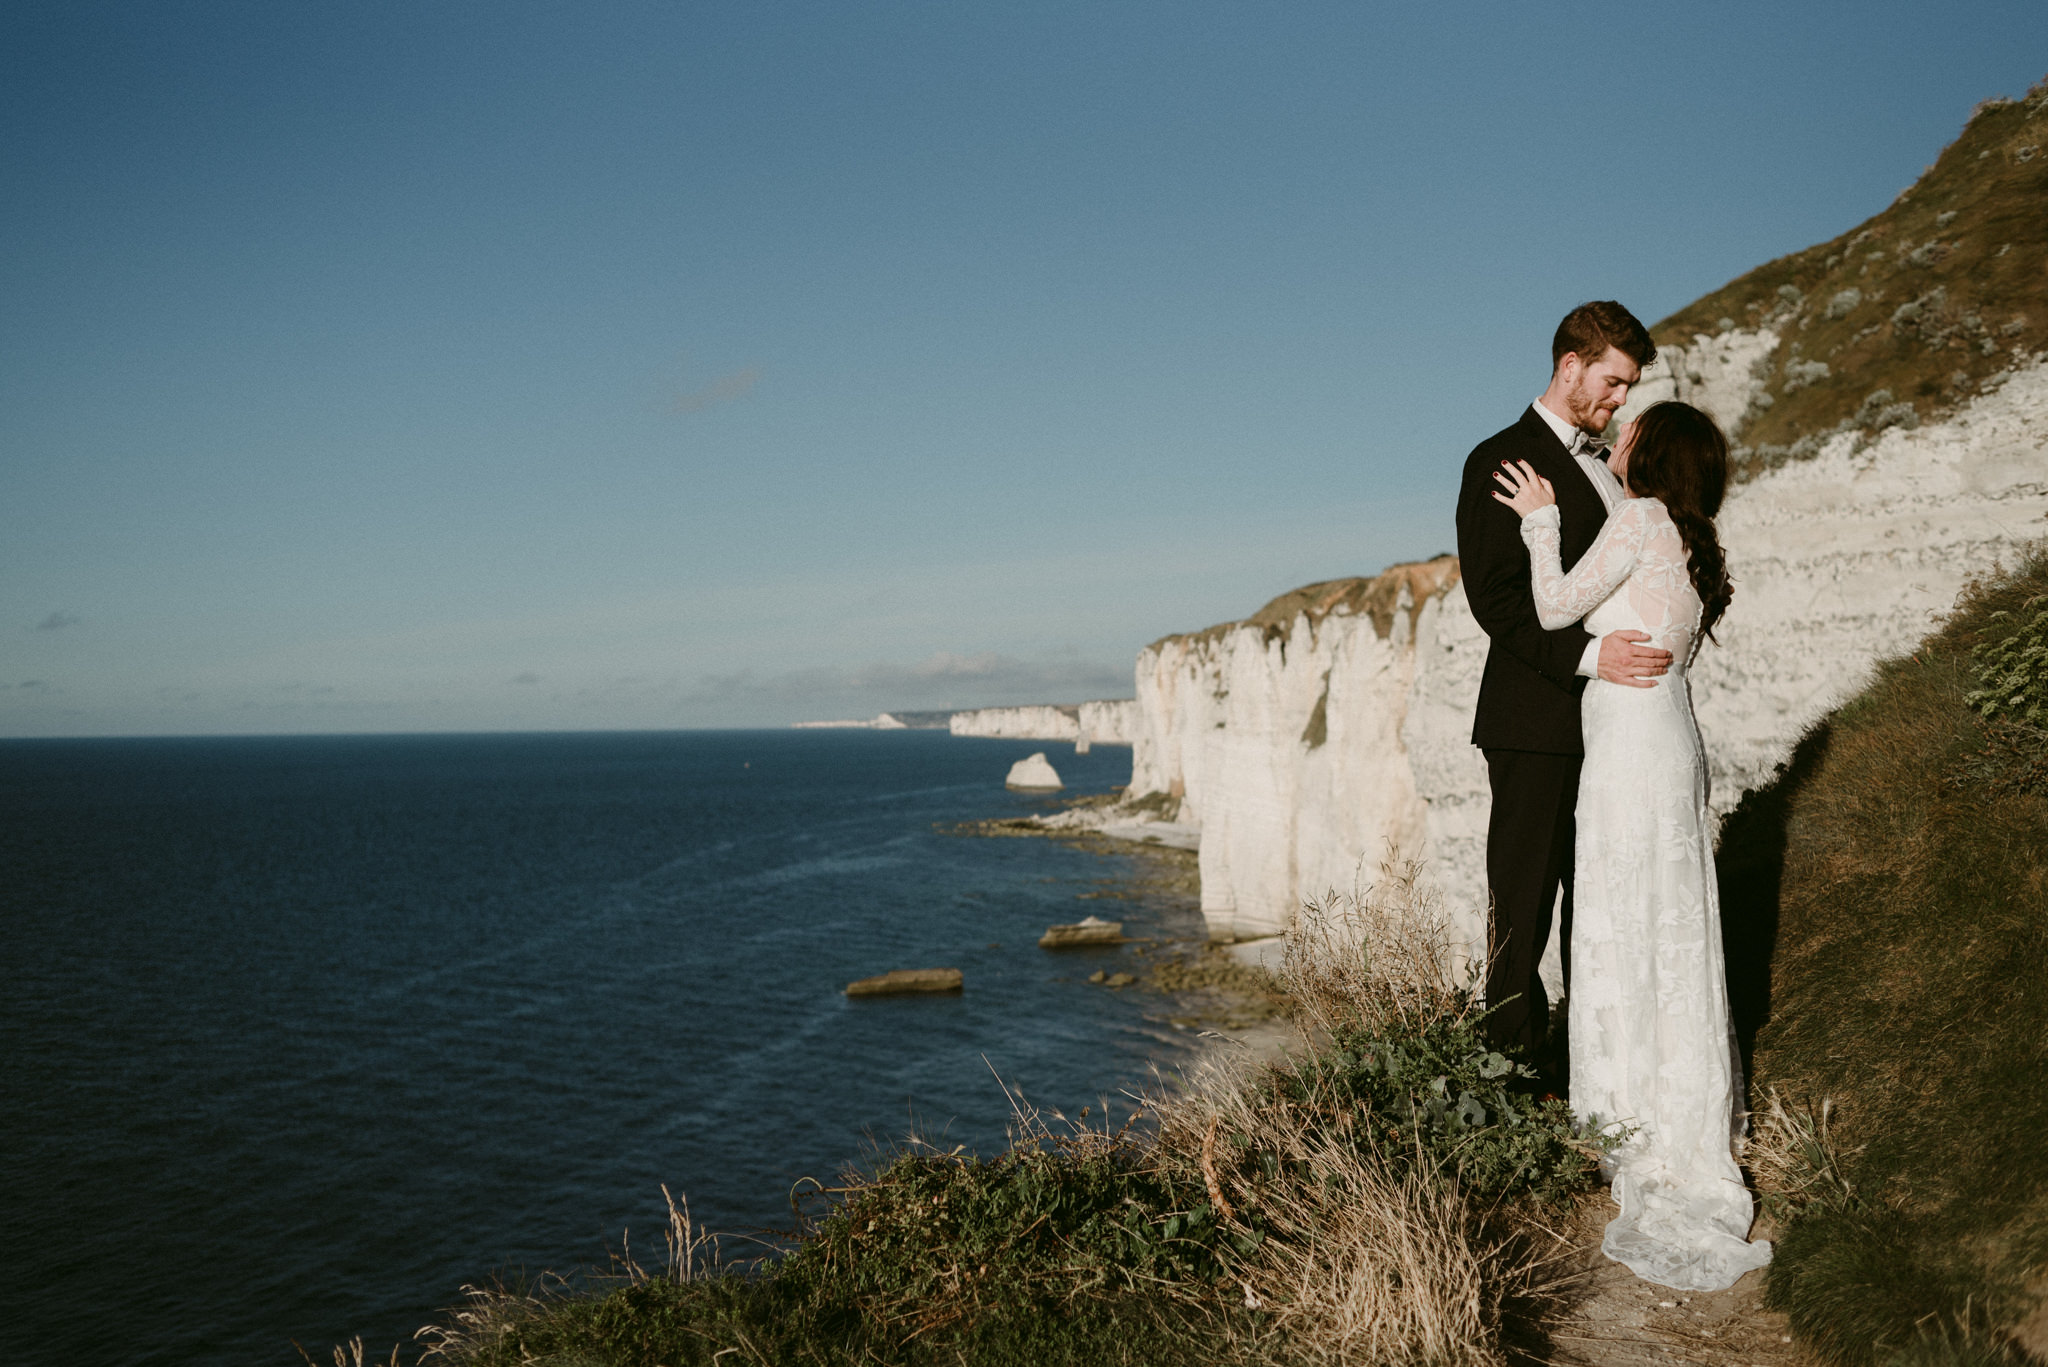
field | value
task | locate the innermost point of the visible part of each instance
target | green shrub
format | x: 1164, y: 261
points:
x: 934, y: 1235
x: 1441, y: 1095
x: 2012, y: 665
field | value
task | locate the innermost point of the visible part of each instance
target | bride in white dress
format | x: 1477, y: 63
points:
x: 1652, y: 1043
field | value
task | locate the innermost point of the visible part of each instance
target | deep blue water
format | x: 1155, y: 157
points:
x: 299, y: 1035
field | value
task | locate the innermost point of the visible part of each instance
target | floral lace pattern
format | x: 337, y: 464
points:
x: 1652, y: 1043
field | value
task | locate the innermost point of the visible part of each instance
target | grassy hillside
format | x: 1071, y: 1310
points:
x: 1898, y: 874
x: 1910, y: 312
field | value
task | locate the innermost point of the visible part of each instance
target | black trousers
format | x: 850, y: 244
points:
x: 1528, y: 857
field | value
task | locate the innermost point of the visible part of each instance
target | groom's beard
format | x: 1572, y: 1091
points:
x: 1587, y: 416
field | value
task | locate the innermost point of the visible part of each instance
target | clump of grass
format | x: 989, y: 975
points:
x: 933, y: 1239
x: 1796, y: 1159
x: 1912, y: 921
x: 1049, y: 1252
x: 1350, y: 1257
x: 2011, y: 694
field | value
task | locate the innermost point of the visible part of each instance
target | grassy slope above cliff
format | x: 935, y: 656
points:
x: 1902, y: 858
x: 1929, y: 301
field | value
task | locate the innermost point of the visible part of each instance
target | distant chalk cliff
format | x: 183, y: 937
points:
x: 1107, y: 722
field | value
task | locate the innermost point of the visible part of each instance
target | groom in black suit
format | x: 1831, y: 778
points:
x: 1527, y: 722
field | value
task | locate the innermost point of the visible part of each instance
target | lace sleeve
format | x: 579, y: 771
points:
x: 1561, y: 598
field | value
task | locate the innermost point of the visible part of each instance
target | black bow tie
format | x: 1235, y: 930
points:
x: 1586, y: 446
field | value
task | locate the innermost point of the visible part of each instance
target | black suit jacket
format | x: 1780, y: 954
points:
x: 1529, y: 695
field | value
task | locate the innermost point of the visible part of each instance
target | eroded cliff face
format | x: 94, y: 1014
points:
x: 1335, y: 722
x: 1281, y: 737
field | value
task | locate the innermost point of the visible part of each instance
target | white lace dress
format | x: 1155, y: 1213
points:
x: 1652, y: 1043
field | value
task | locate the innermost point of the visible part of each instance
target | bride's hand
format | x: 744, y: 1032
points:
x: 1526, y: 490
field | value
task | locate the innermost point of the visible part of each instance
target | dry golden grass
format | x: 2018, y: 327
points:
x: 1380, y: 958
x: 1359, y: 1259
x: 1795, y: 1157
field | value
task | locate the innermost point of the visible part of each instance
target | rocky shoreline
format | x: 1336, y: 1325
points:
x: 1207, y: 988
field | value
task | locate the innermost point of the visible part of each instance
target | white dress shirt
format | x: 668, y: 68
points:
x: 1604, y: 484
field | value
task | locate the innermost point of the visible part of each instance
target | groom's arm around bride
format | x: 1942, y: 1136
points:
x: 1527, y: 719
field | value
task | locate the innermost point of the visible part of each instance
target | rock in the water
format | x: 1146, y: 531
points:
x: 1036, y: 771
x: 1091, y: 931
x: 1108, y: 979
x: 902, y: 980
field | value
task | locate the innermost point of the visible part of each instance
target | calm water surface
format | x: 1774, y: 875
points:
x: 301, y: 1034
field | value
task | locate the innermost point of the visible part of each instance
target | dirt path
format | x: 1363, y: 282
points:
x: 1619, y: 1320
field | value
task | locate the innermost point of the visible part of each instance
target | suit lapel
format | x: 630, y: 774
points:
x: 1579, y: 507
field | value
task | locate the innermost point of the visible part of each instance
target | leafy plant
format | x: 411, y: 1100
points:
x: 2012, y: 667
x: 1441, y: 1095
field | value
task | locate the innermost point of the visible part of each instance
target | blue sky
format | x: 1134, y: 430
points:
x: 391, y: 367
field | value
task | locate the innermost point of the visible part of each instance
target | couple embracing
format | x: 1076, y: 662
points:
x: 1596, y: 576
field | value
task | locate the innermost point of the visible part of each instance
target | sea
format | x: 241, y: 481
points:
x: 300, y: 1036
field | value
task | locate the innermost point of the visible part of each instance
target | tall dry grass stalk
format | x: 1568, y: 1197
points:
x: 1353, y: 1264
x: 351, y: 1355
x: 1380, y: 957
x: 490, y: 1312
x: 487, y: 1315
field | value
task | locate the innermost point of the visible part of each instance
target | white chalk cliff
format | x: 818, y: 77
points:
x: 1304, y: 741
x: 1106, y: 722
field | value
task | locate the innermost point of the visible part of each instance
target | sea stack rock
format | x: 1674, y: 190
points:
x: 899, y: 981
x: 1092, y: 931
x: 1034, y: 772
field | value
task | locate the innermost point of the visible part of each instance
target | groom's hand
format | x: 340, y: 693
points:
x: 1624, y: 661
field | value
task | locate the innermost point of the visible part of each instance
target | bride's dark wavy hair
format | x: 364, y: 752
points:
x: 1678, y: 456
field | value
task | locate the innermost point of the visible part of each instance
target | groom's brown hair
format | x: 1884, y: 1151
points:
x: 1591, y: 328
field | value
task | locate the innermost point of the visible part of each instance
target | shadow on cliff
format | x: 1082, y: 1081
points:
x: 1750, y: 864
